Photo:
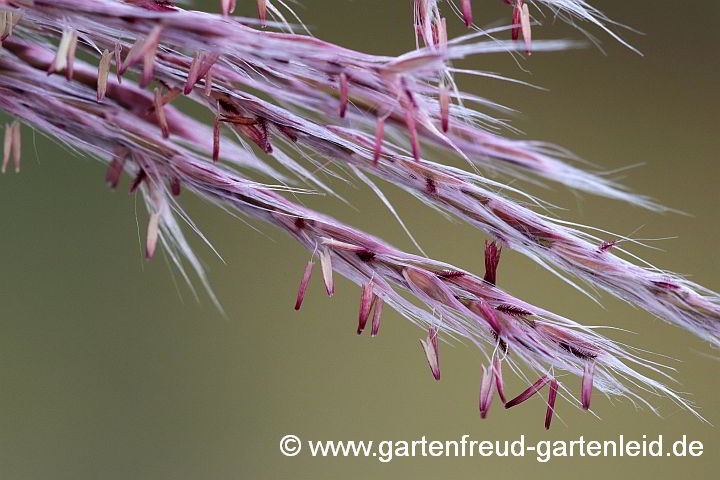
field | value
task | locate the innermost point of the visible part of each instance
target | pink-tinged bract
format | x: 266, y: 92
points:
x: 307, y: 274
x: 486, y: 390
x: 430, y: 347
x: 365, y: 305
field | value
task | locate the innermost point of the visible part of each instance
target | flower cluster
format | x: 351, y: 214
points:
x: 289, y: 105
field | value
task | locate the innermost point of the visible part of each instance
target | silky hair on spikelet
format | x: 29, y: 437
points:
x: 290, y: 106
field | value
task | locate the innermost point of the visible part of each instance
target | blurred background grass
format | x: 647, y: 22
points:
x: 109, y: 368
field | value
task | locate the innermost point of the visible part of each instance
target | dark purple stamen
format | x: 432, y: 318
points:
x: 492, y: 258
x: 532, y: 390
x: 430, y: 186
x: 551, y: 403
x: 175, y: 186
x: 141, y: 175
x: 366, y: 255
x: 448, y: 274
x: 513, y: 310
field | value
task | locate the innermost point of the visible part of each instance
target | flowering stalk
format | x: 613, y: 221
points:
x: 308, y: 74
x: 367, y: 113
x: 458, y: 304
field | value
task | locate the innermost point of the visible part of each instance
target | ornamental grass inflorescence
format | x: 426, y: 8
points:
x: 288, y: 105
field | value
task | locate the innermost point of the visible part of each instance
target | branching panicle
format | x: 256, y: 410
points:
x: 290, y: 106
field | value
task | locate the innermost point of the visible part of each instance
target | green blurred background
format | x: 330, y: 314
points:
x: 110, y: 370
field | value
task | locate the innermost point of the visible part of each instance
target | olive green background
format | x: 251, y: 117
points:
x: 110, y: 369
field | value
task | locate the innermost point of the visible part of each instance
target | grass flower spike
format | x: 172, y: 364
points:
x: 289, y: 106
